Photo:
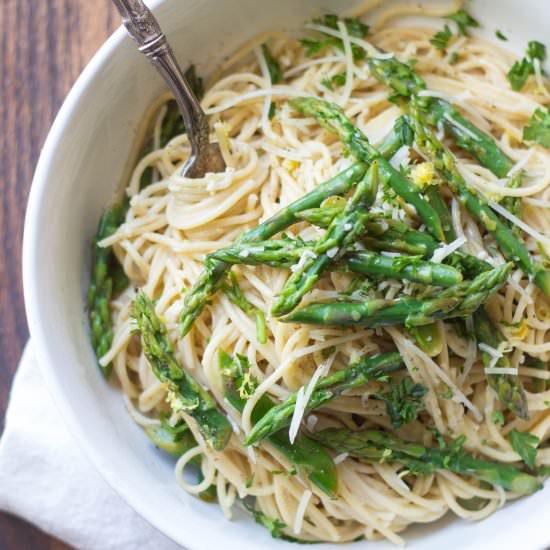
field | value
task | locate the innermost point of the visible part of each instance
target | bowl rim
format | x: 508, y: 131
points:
x: 31, y: 287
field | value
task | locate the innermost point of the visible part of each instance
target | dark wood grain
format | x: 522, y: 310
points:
x: 45, y: 45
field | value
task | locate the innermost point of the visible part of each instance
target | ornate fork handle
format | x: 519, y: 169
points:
x: 145, y: 30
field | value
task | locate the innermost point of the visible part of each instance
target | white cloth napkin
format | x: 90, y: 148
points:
x: 46, y: 478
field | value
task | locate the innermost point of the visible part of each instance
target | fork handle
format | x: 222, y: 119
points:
x: 144, y: 28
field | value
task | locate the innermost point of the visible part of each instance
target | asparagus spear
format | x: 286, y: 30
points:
x: 104, y: 279
x: 305, y: 452
x: 393, y: 235
x: 378, y: 446
x: 233, y: 291
x: 332, y: 118
x: 284, y: 253
x: 460, y: 301
x: 435, y: 200
x: 402, y: 267
x: 214, y: 270
x: 405, y: 82
x: 509, y: 389
x: 427, y: 338
x: 341, y: 233
x: 510, y: 245
x: 401, y: 134
x: 353, y: 376
x: 184, y: 392
x: 210, y: 279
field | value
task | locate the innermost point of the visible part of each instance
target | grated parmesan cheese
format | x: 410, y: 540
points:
x: 521, y: 224
x: 311, y: 422
x: 401, y: 157
x: 521, y: 163
x: 340, y: 458
x: 493, y: 352
x: 445, y: 250
x: 501, y: 370
x: 332, y: 252
x: 300, y: 511
x: 303, y: 396
x: 304, y: 256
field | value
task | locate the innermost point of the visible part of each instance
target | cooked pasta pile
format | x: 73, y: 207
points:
x: 275, y: 155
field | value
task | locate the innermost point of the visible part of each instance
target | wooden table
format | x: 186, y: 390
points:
x: 45, y: 45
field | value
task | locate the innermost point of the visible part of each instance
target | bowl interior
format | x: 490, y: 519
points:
x: 82, y: 164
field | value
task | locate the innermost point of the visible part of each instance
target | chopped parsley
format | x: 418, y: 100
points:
x: 354, y: 26
x: 463, y: 20
x: 275, y: 72
x: 447, y: 393
x: 403, y: 401
x: 497, y: 418
x: 538, y: 128
x: 520, y: 71
x: 272, y: 111
x: 273, y: 525
x: 536, y: 50
x: 334, y: 81
x: 441, y: 39
x: 525, y: 444
x: 501, y: 36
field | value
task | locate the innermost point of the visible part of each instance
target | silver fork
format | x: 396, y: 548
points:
x: 144, y: 28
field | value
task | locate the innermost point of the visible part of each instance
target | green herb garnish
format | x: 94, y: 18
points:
x: 501, y: 36
x: 403, y: 401
x: 275, y: 72
x: 441, y: 39
x: 463, y: 20
x: 525, y: 444
x: 520, y: 71
x: 538, y: 128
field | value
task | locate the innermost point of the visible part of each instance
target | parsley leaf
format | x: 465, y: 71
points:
x: 520, y: 71
x: 335, y: 80
x: 354, y: 26
x: 272, y: 111
x: 501, y: 36
x: 273, y: 525
x: 463, y: 20
x: 403, y: 401
x: 525, y: 444
x: 498, y: 418
x: 538, y: 128
x: 536, y: 50
x: 441, y: 39
x: 275, y: 72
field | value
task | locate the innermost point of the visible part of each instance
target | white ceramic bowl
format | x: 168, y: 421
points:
x: 81, y: 164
